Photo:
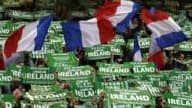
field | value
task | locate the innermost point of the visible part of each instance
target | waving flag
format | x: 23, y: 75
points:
x: 136, y: 50
x: 165, y: 32
x: 156, y: 54
x: 27, y: 38
x: 119, y: 12
x: 100, y: 29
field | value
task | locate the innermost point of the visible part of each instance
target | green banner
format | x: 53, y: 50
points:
x: 50, y: 97
x: 36, y: 75
x: 11, y: 3
x: 21, y: 14
x: 130, y: 97
x: 54, y: 104
x: 142, y: 67
x: 42, y: 13
x: 179, y: 102
x: 143, y: 43
x: 6, y: 28
x: 62, y: 60
x: 84, y: 93
x: 40, y: 89
x: 6, y: 101
x: 1, y: 9
x: 59, y: 105
x: 16, y: 71
x: 46, y: 49
x: 80, y: 80
x: 113, y: 69
x: 185, y: 46
x: 79, y: 72
x: 115, y: 49
x: 57, y: 44
x: 18, y: 14
x: 98, y: 52
x: 55, y: 27
x: 5, y: 78
x: 84, y: 106
x: 104, y: 51
x: 118, y: 39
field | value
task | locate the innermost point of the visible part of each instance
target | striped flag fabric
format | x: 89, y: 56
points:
x: 120, y: 13
x: 136, y: 50
x: 29, y: 37
x: 165, y: 32
x: 98, y: 30
x: 156, y: 54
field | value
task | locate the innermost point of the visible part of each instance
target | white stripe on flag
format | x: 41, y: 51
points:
x: 137, y: 56
x: 27, y: 42
x: 122, y: 11
x: 89, y: 32
x: 164, y: 27
x: 154, y: 48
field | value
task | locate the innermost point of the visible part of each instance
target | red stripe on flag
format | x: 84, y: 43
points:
x: 108, y: 9
x: 158, y: 15
x: 11, y: 43
x: 158, y: 59
x: 106, y: 30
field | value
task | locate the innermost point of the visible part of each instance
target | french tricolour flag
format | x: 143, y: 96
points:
x: 29, y: 37
x: 165, y: 32
x: 136, y: 50
x: 100, y: 29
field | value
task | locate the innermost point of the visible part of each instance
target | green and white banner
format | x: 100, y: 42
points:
x: 51, y: 104
x: 143, y: 43
x: 60, y: 61
x: 6, y: 101
x: 51, y: 97
x: 104, y: 51
x: 41, y: 13
x: 18, y: 14
x: 79, y: 72
x: 130, y: 97
x: 80, y: 80
x: 36, y: 75
x: 21, y: 14
x: 142, y: 67
x: 59, y: 105
x: 6, y: 28
x: 11, y: 3
x: 5, y: 78
x: 18, y: 24
x: 115, y: 49
x: 118, y: 39
x: 55, y: 27
x: 179, y: 102
x: 113, y: 69
x: 98, y: 52
x: 16, y: 71
x: 186, y: 46
x: 85, y: 106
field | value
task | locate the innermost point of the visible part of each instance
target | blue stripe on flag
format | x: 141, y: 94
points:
x: 136, y: 50
x: 42, y: 30
x: 121, y: 27
x: 136, y: 44
x: 171, y: 39
x: 72, y: 35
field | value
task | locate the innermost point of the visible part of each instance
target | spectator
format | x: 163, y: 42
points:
x: 179, y: 62
x: 102, y: 96
x: 160, y: 102
x: 18, y: 95
x: 170, y: 63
